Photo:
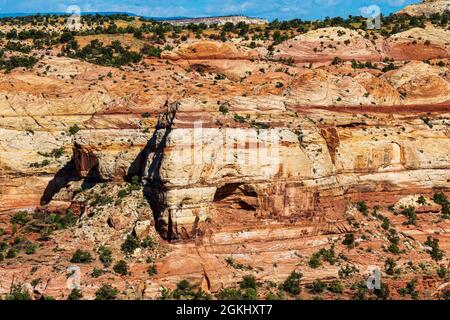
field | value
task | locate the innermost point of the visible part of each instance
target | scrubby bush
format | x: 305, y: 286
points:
x: 292, y: 284
x: 421, y: 200
x: 314, y: 261
x: 20, y: 218
x: 318, y: 286
x: 248, y: 282
x: 250, y: 294
x: 105, y: 256
x: 441, y: 198
x: 106, y: 292
x: 347, y: 271
x: 383, y: 293
x: 121, y: 267
x: 82, y: 256
x: 74, y: 129
x: 75, y: 294
x: 229, y: 294
x: 349, y: 240
x: 389, y: 266
x: 410, y: 213
x: 436, y: 253
x: 130, y: 244
x: 336, y: 287
x: 152, y: 270
x: 16, y: 293
x: 223, y: 108
x: 11, y: 253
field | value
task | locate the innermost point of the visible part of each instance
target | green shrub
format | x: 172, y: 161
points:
x: 121, y: 268
x: 21, y: 218
x: 101, y: 200
x: 361, y: 291
x: 410, y: 213
x: 75, y: 294
x: 275, y: 296
x: 186, y: 291
x: 328, y: 255
x: 347, y: 271
x: 96, y: 272
x: 383, y: 293
x: 11, y: 253
x: 389, y: 266
x: 81, y: 256
x: 149, y: 243
x: 229, y: 294
x: 130, y: 244
x: 17, y: 293
x: 318, y: 286
x: 409, y: 289
x: 151, y: 51
x: 292, y: 284
x: 59, y: 222
x: 422, y: 201
x: 314, y: 261
x: 239, y: 118
x: 436, y: 253
x: 152, y: 270
x: 250, y: 294
x: 441, y: 198
x: 105, y: 256
x: 386, y: 223
x: 248, y: 282
x: 393, y: 248
x: 336, y: 287
x: 349, y: 240
x: 223, y: 108
x: 445, y: 295
x: 362, y: 207
x: 106, y: 292
x: 31, y: 248
x: 442, y: 272
x: 74, y: 129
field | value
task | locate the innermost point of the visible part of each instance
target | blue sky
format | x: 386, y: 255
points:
x: 271, y: 9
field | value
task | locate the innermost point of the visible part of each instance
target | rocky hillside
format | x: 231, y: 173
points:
x: 427, y: 8
x: 182, y: 168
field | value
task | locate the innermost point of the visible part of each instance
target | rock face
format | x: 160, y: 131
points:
x: 418, y: 44
x: 304, y: 171
x: 418, y: 83
x: 427, y: 8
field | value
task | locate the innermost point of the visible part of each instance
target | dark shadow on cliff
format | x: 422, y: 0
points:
x: 64, y: 176
x: 148, y: 163
x: 60, y: 180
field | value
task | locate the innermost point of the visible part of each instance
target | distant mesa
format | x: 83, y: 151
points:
x: 220, y: 20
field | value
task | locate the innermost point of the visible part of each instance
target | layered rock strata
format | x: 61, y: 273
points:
x: 296, y: 163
